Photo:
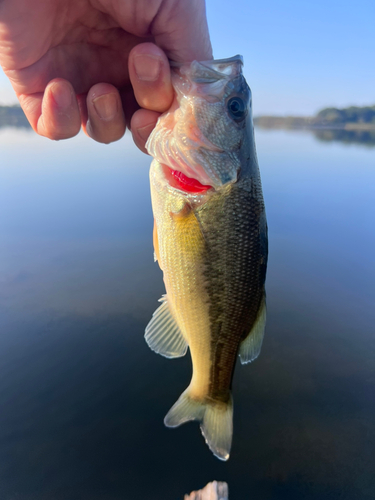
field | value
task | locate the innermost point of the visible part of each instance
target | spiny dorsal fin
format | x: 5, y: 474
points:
x: 250, y: 347
x: 163, y: 335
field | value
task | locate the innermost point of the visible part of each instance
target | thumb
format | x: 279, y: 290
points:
x: 180, y: 29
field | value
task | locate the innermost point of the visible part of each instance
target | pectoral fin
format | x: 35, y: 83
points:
x: 250, y: 347
x: 163, y: 335
x: 182, y: 212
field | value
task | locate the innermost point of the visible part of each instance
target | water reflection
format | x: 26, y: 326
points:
x: 364, y: 137
x: 83, y: 398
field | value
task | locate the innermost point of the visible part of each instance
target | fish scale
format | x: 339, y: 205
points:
x: 234, y: 276
x: 211, y: 245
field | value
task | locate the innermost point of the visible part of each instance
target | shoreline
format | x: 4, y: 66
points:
x: 296, y: 123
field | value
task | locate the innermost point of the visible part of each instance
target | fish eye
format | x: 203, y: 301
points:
x: 236, y: 108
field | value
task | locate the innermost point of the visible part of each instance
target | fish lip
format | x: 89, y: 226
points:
x: 228, y: 60
x: 210, y: 71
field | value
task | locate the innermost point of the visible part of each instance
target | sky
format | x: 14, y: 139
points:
x: 300, y: 56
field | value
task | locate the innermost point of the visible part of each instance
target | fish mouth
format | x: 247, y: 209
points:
x: 192, y: 162
x: 178, y: 180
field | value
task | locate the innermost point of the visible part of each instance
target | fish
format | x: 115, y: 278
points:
x: 210, y: 240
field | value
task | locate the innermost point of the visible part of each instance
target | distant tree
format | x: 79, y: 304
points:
x: 352, y: 114
x: 13, y: 116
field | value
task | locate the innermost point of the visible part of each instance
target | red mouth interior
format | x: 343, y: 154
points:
x: 181, y: 181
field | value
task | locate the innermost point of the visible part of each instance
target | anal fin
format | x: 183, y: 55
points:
x: 163, y: 334
x: 251, y: 346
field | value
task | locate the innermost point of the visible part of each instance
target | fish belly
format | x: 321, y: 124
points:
x: 181, y: 248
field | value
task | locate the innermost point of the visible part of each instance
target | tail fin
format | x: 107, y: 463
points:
x: 216, y: 421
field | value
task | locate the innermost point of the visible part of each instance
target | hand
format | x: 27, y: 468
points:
x: 74, y: 62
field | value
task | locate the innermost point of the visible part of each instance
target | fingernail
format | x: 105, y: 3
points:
x: 144, y: 132
x: 147, y: 67
x: 62, y: 94
x: 106, y: 106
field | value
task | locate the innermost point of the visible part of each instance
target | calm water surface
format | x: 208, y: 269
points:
x: 82, y: 398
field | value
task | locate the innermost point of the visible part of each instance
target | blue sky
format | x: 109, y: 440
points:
x: 299, y: 56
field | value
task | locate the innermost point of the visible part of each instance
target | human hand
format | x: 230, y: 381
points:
x: 74, y: 62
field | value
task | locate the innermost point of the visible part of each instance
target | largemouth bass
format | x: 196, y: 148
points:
x: 210, y: 239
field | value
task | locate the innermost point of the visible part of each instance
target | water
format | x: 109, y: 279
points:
x: 83, y: 398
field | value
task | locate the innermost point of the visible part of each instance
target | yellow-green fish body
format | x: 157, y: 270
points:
x: 211, y: 244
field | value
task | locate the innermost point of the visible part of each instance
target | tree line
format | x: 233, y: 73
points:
x: 351, y: 117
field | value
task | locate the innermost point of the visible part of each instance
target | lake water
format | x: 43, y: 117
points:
x: 82, y: 397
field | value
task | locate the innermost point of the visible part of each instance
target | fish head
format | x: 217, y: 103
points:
x: 206, y: 134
